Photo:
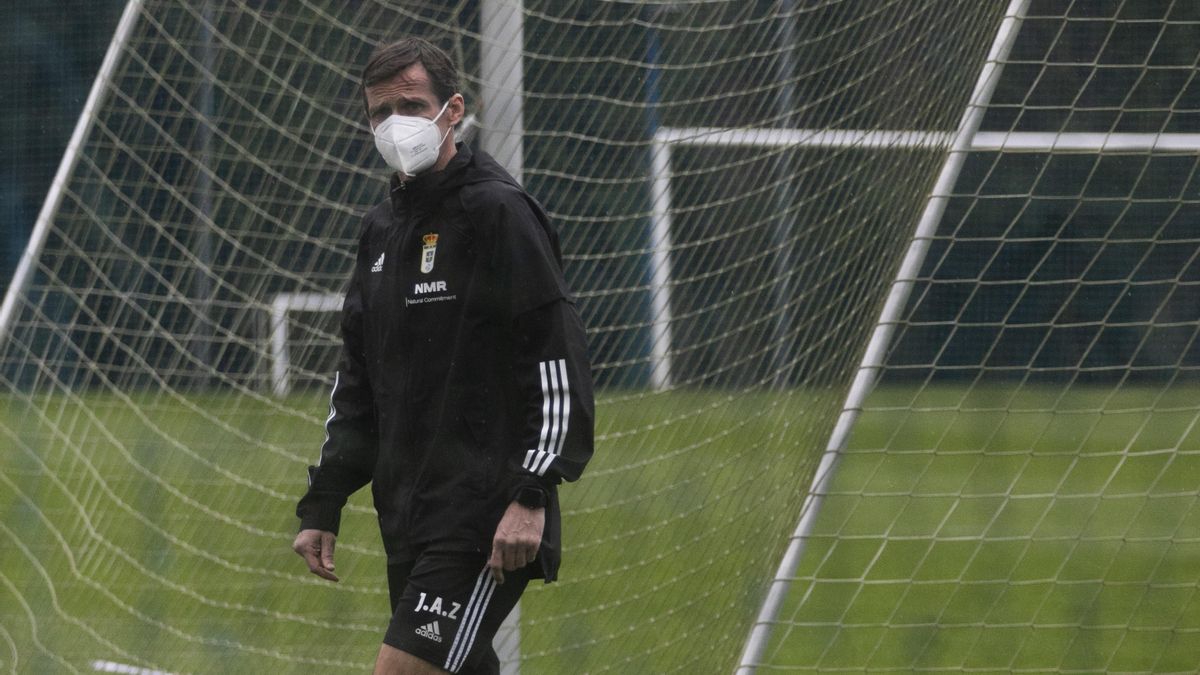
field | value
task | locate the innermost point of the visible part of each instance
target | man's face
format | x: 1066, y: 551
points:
x: 410, y: 93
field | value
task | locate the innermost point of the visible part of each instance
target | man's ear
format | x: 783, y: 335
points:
x: 456, y: 109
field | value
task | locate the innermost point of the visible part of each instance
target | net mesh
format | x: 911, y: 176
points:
x: 1020, y: 493
x: 152, y: 469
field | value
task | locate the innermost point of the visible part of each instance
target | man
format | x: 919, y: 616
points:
x: 464, y: 392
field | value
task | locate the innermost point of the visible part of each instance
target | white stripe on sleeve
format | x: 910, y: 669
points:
x: 556, y: 415
x: 566, y: 405
x: 545, y: 436
x: 337, y: 379
x: 562, y: 410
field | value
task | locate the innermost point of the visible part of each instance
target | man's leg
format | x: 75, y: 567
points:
x: 392, y: 661
x: 446, y: 614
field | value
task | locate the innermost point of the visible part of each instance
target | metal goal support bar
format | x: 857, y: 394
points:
x: 872, y: 362
x: 83, y: 127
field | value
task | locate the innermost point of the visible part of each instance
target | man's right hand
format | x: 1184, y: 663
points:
x: 316, y: 547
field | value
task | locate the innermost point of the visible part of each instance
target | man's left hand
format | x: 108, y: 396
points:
x: 518, y: 537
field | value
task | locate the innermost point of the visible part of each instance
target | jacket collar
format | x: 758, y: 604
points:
x: 430, y: 188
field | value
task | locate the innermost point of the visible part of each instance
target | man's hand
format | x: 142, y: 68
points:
x: 518, y: 537
x: 316, y: 547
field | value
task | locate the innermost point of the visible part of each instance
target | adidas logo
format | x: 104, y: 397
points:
x: 378, y: 266
x: 431, y: 631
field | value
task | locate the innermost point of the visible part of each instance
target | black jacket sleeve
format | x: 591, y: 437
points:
x: 555, y: 384
x: 351, y: 435
x: 550, y: 361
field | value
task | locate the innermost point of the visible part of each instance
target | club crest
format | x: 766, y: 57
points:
x: 428, y: 251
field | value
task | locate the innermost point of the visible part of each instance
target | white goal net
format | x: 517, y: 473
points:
x: 1020, y: 492
x: 736, y: 185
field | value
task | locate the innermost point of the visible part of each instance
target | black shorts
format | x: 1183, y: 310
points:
x: 446, y: 609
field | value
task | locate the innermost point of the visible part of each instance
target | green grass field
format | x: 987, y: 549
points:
x: 988, y: 530
x: 996, y: 535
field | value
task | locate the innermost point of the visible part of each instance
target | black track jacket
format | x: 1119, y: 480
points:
x: 464, y: 373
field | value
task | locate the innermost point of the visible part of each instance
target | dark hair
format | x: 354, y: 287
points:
x: 388, y: 60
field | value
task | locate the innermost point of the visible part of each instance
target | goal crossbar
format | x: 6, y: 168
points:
x: 666, y: 139
x: 881, y: 139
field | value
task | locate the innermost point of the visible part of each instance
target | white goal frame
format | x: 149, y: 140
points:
x: 666, y: 139
x: 281, y: 305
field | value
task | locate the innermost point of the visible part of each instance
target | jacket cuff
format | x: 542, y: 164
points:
x: 528, y: 482
x: 319, y: 514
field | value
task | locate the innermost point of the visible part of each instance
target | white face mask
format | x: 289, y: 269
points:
x: 410, y: 145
